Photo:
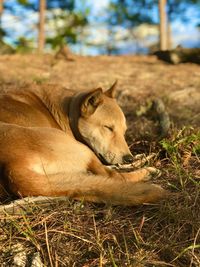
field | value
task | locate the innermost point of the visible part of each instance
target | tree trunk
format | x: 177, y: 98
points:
x: 163, y: 24
x: 169, y: 36
x: 41, y: 28
x: 1, y: 12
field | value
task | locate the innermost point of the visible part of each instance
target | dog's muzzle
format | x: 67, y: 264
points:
x: 103, y: 160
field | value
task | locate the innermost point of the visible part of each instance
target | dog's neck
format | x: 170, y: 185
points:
x: 52, y: 101
x: 63, y: 104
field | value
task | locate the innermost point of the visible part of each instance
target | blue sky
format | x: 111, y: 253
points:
x: 183, y: 33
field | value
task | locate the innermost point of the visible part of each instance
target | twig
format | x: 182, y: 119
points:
x: 18, y: 206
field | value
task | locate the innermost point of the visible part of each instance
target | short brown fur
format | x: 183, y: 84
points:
x: 52, y: 140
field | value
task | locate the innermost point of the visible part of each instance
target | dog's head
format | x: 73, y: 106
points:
x: 102, y: 125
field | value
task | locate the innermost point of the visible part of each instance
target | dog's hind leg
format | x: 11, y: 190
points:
x: 117, y: 192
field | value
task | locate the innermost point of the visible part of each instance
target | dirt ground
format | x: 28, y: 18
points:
x: 162, y: 235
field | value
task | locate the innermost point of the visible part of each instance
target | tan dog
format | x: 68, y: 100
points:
x: 53, y: 142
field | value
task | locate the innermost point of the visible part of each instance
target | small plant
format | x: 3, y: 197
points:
x: 185, y: 140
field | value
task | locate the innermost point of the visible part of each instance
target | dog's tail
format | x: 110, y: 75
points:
x: 100, y: 189
x: 127, y: 193
x: 94, y: 188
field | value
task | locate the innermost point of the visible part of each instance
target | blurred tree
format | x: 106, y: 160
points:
x: 17, y: 12
x: 177, y: 10
x: 127, y: 14
x: 1, y: 9
x: 2, y: 32
x: 131, y: 13
x: 163, y: 25
x: 63, y: 4
x: 66, y: 21
x: 24, y: 45
x: 4, y: 48
x: 41, y: 26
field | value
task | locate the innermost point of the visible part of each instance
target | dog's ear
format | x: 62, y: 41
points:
x: 111, y: 92
x: 91, y: 102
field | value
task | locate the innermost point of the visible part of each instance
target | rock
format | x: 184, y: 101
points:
x: 180, y: 55
x: 36, y: 260
x: 20, y: 256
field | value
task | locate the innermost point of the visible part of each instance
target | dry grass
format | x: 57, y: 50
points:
x: 83, y: 234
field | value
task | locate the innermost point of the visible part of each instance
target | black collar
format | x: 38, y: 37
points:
x: 74, y: 114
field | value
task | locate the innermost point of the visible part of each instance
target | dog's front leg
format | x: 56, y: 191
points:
x: 143, y: 174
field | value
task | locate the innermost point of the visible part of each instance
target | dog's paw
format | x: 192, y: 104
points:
x: 143, y: 174
x: 141, y: 159
x: 151, y: 172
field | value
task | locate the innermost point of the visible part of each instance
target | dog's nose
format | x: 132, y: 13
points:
x: 127, y: 158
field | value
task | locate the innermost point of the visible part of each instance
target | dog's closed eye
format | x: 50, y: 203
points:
x: 110, y: 128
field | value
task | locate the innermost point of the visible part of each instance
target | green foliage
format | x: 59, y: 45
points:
x: 182, y: 148
x: 23, y: 2
x: 2, y: 33
x: 63, y: 4
x: 66, y: 25
x: 178, y: 9
x: 6, y: 48
x: 24, y: 45
x: 126, y: 14
x: 182, y: 145
x: 130, y: 13
x: 184, y: 140
x: 74, y: 16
